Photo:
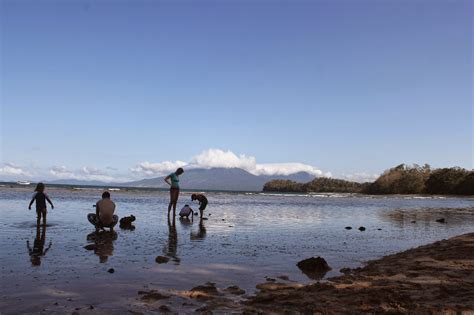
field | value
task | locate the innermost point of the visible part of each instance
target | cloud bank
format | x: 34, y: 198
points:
x: 211, y: 158
x: 217, y: 158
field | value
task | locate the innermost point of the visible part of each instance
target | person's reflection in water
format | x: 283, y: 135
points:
x: 38, y: 245
x: 185, y: 222
x: 171, y: 247
x: 200, y: 234
x: 103, y: 244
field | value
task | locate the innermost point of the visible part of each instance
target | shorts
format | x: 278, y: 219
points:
x: 203, y: 206
x: 94, y: 220
x: 42, y: 212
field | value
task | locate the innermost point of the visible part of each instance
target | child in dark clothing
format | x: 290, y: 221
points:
x: 40, y: 197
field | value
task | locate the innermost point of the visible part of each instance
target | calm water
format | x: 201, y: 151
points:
x: 247, y: 237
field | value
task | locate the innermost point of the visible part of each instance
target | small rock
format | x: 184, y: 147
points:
x: 413, y: 221
x: 379, y: 229
x: 270, y: 279
x: 441, y: 220
x: 75, y: 313
x: 162, y: 259
x: 91, y: 307
x: 111, y: 270
x: 362, y: 229
x: 348, y: 227
x: 314, y: 267
x: 204, y: 218
x: 56, y: 303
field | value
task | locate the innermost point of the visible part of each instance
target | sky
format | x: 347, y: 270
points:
x: 120, y: 90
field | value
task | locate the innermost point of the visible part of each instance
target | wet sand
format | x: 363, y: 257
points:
x: 433, y: 279
x: 247, y: 240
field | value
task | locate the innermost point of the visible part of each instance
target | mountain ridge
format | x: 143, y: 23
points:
x: 232, y: 179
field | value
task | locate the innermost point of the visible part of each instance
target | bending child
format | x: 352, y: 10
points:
x: 202, y: 202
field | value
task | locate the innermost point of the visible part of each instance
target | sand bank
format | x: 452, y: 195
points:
x: 435, y: 278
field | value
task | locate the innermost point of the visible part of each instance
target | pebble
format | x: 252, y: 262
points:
x: 361, y: 228
x: 111, y: 270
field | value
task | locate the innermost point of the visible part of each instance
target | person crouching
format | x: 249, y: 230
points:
x: 104, y: 213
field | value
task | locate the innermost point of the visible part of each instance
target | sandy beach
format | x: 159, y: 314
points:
x: 433, y: 279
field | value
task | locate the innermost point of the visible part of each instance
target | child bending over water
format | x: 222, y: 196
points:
x: 186, y: 211
x: 40, y: 197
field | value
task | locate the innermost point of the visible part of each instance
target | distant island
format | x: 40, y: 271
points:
x: 402, y: 179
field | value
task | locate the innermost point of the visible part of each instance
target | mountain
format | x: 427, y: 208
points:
x: 79, y: 182
x: 235, y: 179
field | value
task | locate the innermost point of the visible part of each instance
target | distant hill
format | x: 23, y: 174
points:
x: 232, y: 179
x: 79, y: 182
x: 235, y: 179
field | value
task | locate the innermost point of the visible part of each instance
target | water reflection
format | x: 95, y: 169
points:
x: 200, y: 234
x: 38, y: 245
x: 103, y: 244
x: 171, y: 248
x: 185, y: 222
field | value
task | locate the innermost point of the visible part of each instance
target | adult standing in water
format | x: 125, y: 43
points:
x: 173, y: 180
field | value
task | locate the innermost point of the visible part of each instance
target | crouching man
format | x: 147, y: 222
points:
x: 104, y: 213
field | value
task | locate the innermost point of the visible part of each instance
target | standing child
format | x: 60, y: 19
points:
x: 40, y: 197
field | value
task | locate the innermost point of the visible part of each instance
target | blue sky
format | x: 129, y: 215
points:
x: 116, y: 88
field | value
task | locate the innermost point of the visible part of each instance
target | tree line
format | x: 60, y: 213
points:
x: 402, y: 179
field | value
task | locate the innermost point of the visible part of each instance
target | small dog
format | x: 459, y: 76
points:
x: 126, y: 223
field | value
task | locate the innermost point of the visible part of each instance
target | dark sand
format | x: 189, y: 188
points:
x: 433, y: 279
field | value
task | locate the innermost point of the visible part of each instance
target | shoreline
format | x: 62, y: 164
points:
x: 438, y: 277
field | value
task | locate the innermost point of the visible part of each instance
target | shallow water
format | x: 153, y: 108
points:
x: 246, y: 238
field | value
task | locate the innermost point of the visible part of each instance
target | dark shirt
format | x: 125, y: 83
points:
x: 40, y: 199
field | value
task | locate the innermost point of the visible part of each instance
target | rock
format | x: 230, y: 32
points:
x: 362, y: 229
x: 441, y: 220
x: 162, y: 259
x: 348, y: 227
x: 283, y: 277
x: 206, y: 291
x: 235, y: 290
x: 413, y: 221
x: 91, y: 307
x: 314, y: 267
x: 90, y: 246
x: 345, y: 270
x: 270, y: 279
x: 152, y: 295
x: 379, y: 229
x: 126, y: 222
x: 111, y: 270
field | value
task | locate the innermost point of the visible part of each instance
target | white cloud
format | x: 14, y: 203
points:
x: 217, y: 158
x: 85, y: 173
x: 10, y: 170
x: 360, y: 177
x: 153, y: 169
x: 214, y: 158
x: 287, y: 169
